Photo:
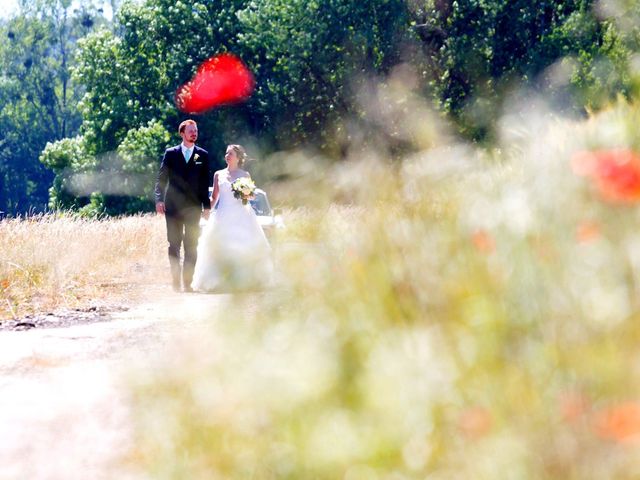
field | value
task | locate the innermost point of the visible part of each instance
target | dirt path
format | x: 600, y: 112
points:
x: 63, y: 397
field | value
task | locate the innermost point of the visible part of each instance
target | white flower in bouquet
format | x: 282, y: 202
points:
x: 243, y: 189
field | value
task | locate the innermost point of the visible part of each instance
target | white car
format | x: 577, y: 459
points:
x: 268, y: 219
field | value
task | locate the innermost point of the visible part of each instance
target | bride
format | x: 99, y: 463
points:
x: 233, y: 251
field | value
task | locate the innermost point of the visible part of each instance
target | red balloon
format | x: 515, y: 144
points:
x: 221, y: 80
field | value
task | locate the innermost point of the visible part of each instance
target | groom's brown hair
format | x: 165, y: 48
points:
x: 185, y: 123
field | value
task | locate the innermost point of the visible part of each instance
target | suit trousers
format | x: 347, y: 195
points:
x: 183, y: 229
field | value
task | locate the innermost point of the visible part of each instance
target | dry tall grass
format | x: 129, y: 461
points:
x: 55, y: 261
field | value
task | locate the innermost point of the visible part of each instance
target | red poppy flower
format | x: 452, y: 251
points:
x: 587, y: 231
x: 620, y: 423
x: 616, y: 173
x: 573, y: 406
x: 475, y: 422
x: 483, y: 242
x: 221, y: 80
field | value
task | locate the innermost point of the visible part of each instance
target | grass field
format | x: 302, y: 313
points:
x: 50, y: 262
x: 462, y: 314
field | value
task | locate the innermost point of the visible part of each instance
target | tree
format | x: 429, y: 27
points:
x: 311, y: 56
x: 480, y: 49
x: 38, y: 97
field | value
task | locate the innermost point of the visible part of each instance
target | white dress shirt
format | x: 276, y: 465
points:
x: 186, y: 152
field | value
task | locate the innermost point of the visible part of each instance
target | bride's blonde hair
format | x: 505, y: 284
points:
x: 241, y: 153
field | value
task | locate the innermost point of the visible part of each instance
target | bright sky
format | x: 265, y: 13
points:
x: 9, y: 7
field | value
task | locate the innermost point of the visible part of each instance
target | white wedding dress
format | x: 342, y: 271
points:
x: 233, y: 251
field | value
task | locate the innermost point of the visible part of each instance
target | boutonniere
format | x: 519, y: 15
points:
x: 196, y: 156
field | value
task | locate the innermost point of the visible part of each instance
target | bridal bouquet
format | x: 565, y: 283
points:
x: 243, y: 189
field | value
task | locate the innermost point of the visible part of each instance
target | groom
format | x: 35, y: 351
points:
x: 182, y: 195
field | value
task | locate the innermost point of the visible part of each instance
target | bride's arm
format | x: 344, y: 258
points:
x: 216, y: 191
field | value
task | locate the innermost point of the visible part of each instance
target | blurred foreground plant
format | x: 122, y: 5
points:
x: 469, y: 315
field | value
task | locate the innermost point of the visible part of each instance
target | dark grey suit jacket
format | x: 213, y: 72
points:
x: 183, y: 185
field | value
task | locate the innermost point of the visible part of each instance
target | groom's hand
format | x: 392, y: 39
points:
x: 160, y: 208
x: 205, y: 213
